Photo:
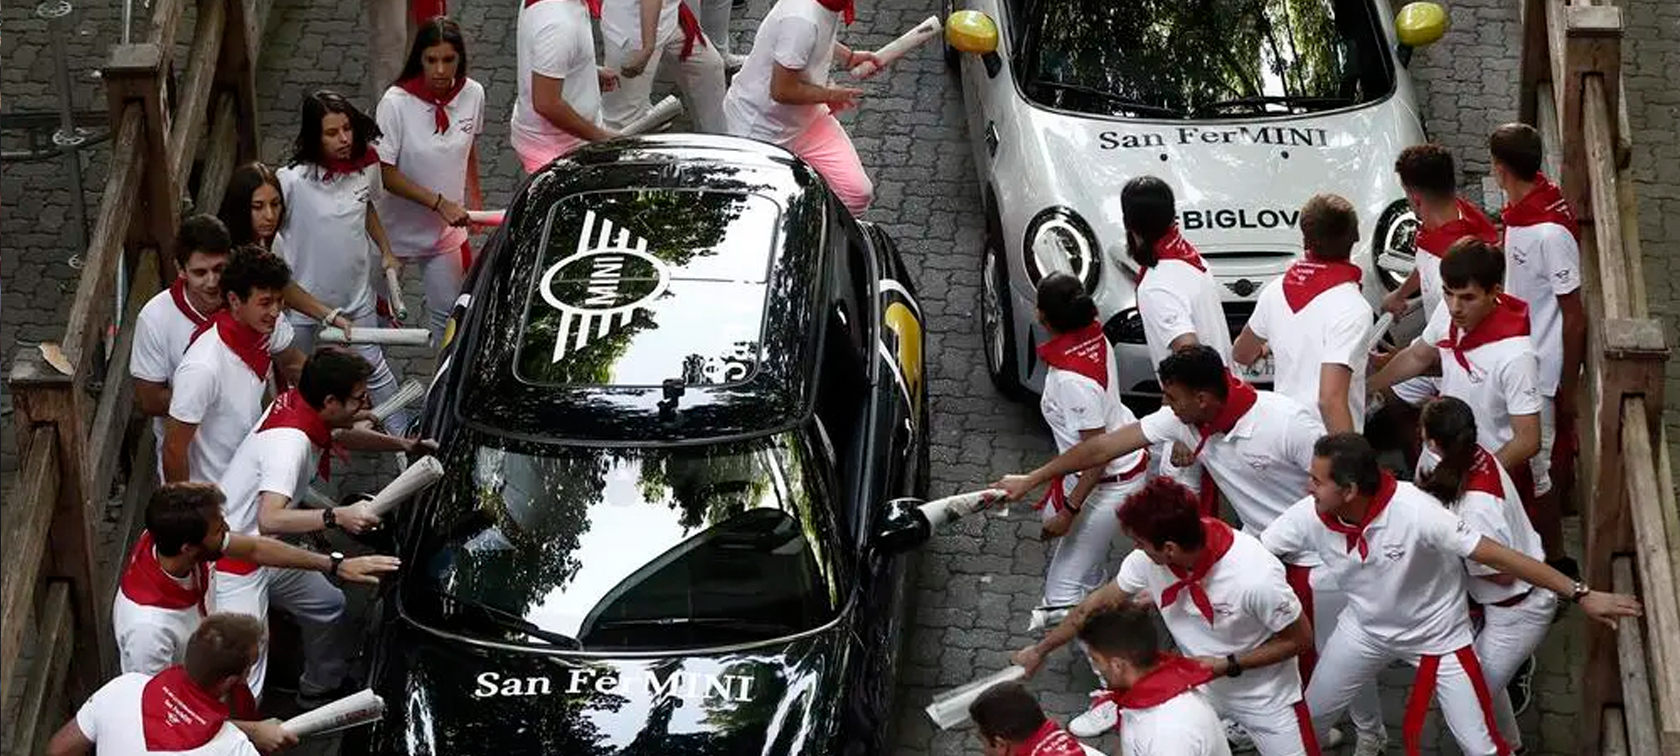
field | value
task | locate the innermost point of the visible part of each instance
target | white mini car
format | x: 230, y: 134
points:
x: 1245, y: 107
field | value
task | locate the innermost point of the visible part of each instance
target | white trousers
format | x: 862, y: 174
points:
x: 319, y: 609
x: 1276, y: 730
x: 1079, y: 560
x: 1329, y: 602
x: 1541, y: 463
x: 714, y: 20
x: 1352, y: 659
x: 383, y: 383
x: 1509, y: 636
x: 700, y: 78
x: 440, y: 277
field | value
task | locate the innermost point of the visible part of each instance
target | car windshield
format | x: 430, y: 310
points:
x: 628, y: 549
x: 1202, y: 58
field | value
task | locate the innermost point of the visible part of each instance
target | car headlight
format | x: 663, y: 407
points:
x: 1394, y: 247
x: 1059, y: 241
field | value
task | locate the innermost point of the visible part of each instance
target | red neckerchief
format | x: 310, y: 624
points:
x: 1483, y: 475
x: 1310, y: 277
x: 177, y: 715
x: 1356, y: 533
x: 291, y: 411
x: 1172, y: 676
x: 1471, y: 221
x: 1239, y: 399
x: 145, y: 582
x: 178, y: 292
x: 1084, y: 351
x: 1543, y: 204
x: 333, y: 167
x: 249, y: 346
x: 1051, y: 740
x: 1174, y: 246
x: 1509, y: 319
x: 421, y: 11
x: 692, y: 33
x: 440, y: 102
x: 846, y: 8
x: 594, y: 6
x: 1217, y: 539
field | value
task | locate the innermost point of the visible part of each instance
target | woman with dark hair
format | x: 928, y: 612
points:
x: 251, y: 209
x: 330, y: 233
x: 429, y: 162
x: 1081, y: 399
x: 1470, y: 480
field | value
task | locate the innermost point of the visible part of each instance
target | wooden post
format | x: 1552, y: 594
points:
x: 135, y: 74
x: 43, y: 396
x: 1591, y: 36
x: 236, y: 75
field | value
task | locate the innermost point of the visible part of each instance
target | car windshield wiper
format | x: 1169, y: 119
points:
x: 1290, y: 101
x: 1122, y: 102
x: 508, y: 620
x: 729, y: 623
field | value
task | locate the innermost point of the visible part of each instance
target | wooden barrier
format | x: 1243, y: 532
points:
x: 75, y: 416
x: 1571, y: 89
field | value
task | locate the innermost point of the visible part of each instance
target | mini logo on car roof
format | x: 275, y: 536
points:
x: 599, y: 288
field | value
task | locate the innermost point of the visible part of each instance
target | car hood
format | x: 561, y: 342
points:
x: 449, y: 696
x: 1240, y: 184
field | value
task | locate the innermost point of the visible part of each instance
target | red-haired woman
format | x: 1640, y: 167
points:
x: 430, y: 117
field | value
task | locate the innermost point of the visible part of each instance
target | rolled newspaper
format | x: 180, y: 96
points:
x: 317, y: 500
x: 950, y: 708
x: 660, y: 114
x: 418, y: 477
x: 408, y: 394
x: 359, y: 708
x: 399, y: 308
x: 1378, y: 329
x: 486, y: 217
x: 387, y: 336
x: 910, y: 40
x: 941, y: 511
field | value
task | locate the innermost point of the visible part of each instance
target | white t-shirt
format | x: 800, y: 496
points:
x: 215, y: 390
x: 1072, y: 403
x: 1251, y: 603
x: 1491, y: 505
x: 150, y: 638
x: 1407, y: 592
x: 324, y: 236
x: 795, y: 34
x: 111, y: 719
x: 621, y: 23
x: 555, y: 41
x: 1330, y: 330
x: 277, y: 460
x: 1543, y: 263
x: 1185, y: 725
x: 435, y: 161
x: 1503, y: 380
x: 1262, y: 465
x: 1177, y: 298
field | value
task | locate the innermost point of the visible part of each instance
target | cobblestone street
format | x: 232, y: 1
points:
x: 982, y: 576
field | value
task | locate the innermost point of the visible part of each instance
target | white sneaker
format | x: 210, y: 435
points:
x: 1045, y: 617
x: 732, y: 62
x: 1099, y: 719
x: 1370, y: 744
x: 1237, y: 737
x: 1332, y: 739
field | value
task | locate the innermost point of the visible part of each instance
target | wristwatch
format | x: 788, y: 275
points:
x: 329, y: 519
x: 1232, y: 668
x: 1579, y: 591
x: 337, y: 558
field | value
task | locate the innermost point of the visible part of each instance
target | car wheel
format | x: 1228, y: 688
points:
x: 953, y: 59
x: 997, y: 323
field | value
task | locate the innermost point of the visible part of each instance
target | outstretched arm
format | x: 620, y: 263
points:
x: 1604, y: 607
x: 1087, y: 454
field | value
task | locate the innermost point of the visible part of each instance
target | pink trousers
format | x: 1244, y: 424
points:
x: 825, y: 146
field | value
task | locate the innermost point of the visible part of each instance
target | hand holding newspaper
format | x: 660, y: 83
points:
x: 928, y: 29
x: 660, y: 114
x: 1378, y: 330
x: 485, y: 217
x: 418, y: 477
x: 941, y: 511
x: 386, y: 336
x: 950, y: 708
x: 398, y: 306
x: 359, y: 708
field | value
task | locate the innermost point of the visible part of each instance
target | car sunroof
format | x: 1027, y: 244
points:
x: 637, y: 287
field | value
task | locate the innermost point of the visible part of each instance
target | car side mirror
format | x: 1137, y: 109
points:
x: 1417, y: 25
x: 972, y: 31
x: 901, y: 527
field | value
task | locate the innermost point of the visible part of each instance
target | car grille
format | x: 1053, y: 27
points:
x: 1236, y: 316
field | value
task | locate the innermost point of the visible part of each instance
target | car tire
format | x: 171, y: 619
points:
x: 997, y: 321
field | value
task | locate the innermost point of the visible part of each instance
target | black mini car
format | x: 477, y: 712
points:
x: 677, y: 405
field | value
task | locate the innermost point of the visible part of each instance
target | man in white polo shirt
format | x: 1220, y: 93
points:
x: 1479, y: 338
x: 217, y: 390
x: 1315, y: 321
x: 296, y: 440
x: 163, y: 589
x: 195, y: 708
x: 1397, y: 553
x: 639, y: 36
x: 1160, y: 696
x: 1225, y: 601
x: 1543, y: 268
x: 559, y: 104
